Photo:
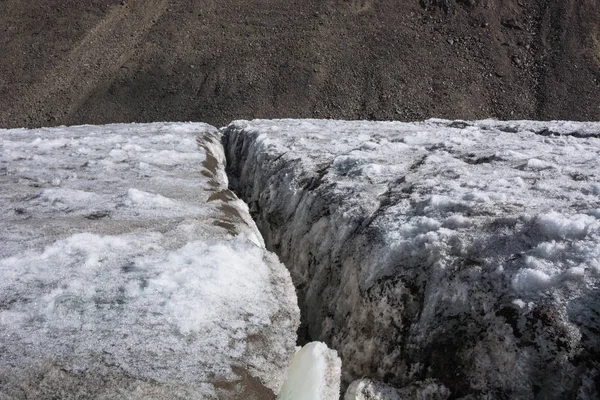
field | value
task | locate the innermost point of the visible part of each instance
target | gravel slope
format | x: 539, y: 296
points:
x: 122, y: 61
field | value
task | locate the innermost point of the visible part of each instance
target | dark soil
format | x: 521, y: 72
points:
x: 91, y: 61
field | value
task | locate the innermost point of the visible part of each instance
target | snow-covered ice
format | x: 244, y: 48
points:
x: 367, y: 389
x: 462, y: 251
x: 129, y: 270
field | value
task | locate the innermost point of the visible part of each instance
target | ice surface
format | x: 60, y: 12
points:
x: 314, y: 374
x: 466, y: 252
x: 367, y: 389
x: 129, y: 270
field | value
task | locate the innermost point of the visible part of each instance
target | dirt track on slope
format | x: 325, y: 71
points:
x: 123, y: 61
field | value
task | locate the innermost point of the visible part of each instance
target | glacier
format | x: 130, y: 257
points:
x: 130, y: 270
x: 439, y: 259
x: 444, y: 258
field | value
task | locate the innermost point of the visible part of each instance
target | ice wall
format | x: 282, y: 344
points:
x: 129, y: 270
x: 464, y: 255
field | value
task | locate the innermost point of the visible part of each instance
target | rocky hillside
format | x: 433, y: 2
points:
x: 135, y: 60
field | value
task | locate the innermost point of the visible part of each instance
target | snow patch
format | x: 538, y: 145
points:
x: 528, y: 279
x: 145, y: 199
x: 557, y: 226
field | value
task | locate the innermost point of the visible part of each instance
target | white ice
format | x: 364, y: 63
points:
x: 468, y: 174
x: 117, y: 250
x: 314, y: 374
